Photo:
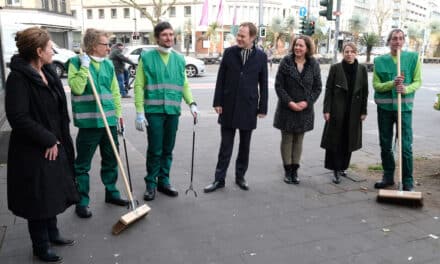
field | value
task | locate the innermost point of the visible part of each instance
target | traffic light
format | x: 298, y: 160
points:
x: 311, y: 29
x: 262, y: 32
x: 328, y: 11
x: 135, y: 36
x: 303, y: 25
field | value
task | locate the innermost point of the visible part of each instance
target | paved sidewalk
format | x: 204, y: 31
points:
x: 315, y: 222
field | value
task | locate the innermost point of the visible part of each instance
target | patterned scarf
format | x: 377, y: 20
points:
x: 245, y: 55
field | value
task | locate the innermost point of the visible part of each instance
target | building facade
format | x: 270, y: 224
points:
x: 129, y: 26
x: 53, y: 15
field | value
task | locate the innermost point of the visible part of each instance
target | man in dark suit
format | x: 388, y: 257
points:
x: 240, y: 96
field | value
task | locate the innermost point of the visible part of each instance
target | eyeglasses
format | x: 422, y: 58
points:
x: 105, y: 44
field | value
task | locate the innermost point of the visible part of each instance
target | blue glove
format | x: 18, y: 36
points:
x: 140, y: 121
x: 85, y: 60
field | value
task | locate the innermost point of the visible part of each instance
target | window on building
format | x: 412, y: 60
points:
x: 113, y: 13
x: 126, y: 12
x: 172, y: 11
x: 101, y: 13
x: 89, y: 14
x: 63, y: 6
x: 13, y: 2
x: 54, y: 4
x: 187, y: 11
x: 74, y: 13
x: 144, y: 10
x: 45, y: 4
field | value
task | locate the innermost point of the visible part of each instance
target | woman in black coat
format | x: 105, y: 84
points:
x: 40, y: 181
x: 345, y: 107
x: 298, y: 85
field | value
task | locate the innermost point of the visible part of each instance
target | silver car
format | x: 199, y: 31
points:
x: 194, y: 67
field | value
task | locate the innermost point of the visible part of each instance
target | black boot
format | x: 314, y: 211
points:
x: 47, y: 255
x: 337, y: 179
x: 288, y: 174
x: 295, y: 168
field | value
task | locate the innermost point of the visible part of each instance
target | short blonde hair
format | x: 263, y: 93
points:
x: 91, y: 39
x: 351, y: 45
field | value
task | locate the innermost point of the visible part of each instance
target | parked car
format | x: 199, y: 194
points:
x: 380, y: 50
x: 194, y: 67
x: 60, y: 57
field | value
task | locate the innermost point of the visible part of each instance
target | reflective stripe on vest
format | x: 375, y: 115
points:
x: 393, y: 100
x: 108, y: 114
x: 152, y: 87
x: 90, y: 97
x: 161, y: 102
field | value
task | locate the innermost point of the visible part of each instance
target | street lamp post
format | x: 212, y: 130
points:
x: 338, y: 13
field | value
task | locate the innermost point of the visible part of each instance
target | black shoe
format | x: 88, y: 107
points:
x: 288, y: 174
x: 61, y: 241
x: 149, y: 194
x: 408, y: 188
x: 288, y: 179
x: 167, y: 190
x: 295, y: 168
x: 83, y: 211
x: 214, y: 186
x: 116, y: 200
x: 295, y: 179
x: 242, y: 184
x: 126, y: 96
x: 337, y: 179
x: 47, y: 255
x: 382, y: 184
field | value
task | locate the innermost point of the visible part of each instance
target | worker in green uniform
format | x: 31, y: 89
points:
x: 159, y: 87
x: 87, y: 117
x: 387, y: 83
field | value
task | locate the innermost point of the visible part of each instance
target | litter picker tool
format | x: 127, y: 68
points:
x: 400, y: 196
x: 136, y: 213
x: 122, y: 127
x: 192, y: 160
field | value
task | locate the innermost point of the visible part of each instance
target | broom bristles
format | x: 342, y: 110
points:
x: 411, y: 199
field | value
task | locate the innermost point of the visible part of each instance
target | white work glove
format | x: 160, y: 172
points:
x: 120, y: 126
x: 85, y: 60
x: 194, y: 111
x: 140, y: 121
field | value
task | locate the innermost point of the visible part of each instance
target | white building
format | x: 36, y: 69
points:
x: 53, y: 15
x: 124, y: 21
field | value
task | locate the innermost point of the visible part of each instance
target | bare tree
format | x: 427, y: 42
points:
x: 159, y: 9
x: 356, y: 26
x: 415, y: 35
x: 369, y: 40
x: 381, y: 13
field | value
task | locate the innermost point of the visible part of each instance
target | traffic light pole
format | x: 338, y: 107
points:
x: 338, y: 15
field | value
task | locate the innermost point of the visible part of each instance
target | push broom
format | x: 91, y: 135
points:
x: 400, y: 196
x: 136, y: 213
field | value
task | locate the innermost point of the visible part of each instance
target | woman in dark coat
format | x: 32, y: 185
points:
x: 345, y: 107
x: 298, y: 85
x: 40, y: 181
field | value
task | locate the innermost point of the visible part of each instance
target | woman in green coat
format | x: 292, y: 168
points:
x: 345, y: 107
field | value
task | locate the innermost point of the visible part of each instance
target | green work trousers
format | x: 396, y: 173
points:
x: 161, y: 132
x: 87, y: 141
x: 386, y: 120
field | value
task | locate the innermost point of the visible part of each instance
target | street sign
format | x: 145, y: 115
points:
x: 302, y: 11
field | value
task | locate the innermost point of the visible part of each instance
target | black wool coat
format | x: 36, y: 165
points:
x: 241, y: 90
x: 336, y: 103
x: 290, y: 85
x: 38, y: 188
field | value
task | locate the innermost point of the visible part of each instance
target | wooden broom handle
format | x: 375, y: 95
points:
x: 110, y: 137
x: 399, y: 124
